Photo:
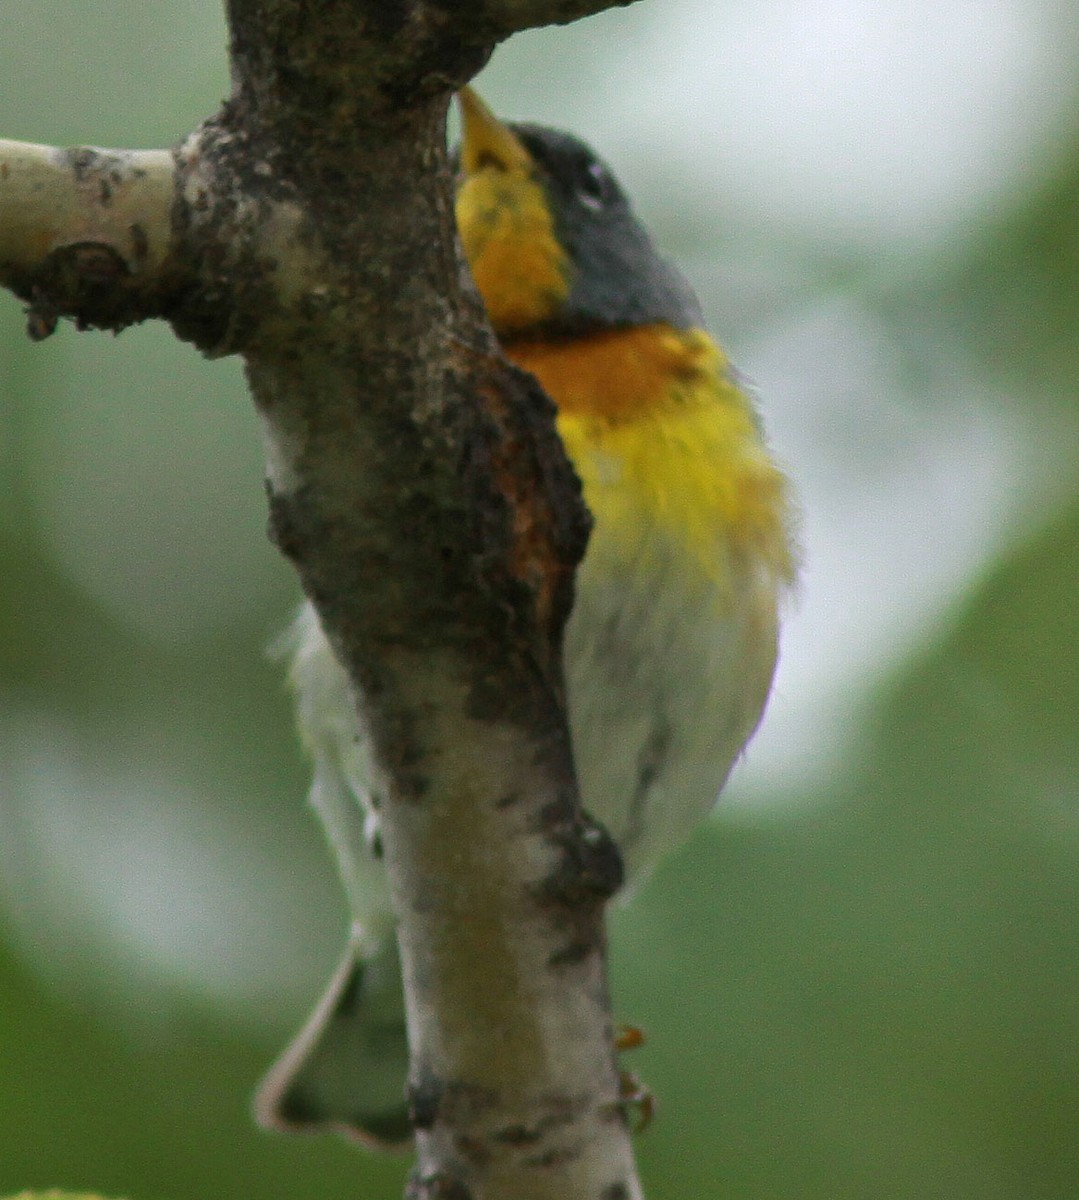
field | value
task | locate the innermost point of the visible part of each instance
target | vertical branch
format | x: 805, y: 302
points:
x: 418, y: 486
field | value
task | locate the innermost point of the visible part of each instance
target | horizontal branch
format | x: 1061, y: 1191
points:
x: 85, y: 232
x: 511, y: 16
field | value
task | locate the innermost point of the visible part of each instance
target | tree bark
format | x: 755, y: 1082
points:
x: 417, y: 484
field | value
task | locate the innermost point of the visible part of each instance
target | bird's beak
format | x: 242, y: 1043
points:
x: 485, y: 141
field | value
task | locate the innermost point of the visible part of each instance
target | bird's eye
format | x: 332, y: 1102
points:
x: 594, y: 187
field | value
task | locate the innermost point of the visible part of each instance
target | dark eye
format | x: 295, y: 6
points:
x: 594, y: 187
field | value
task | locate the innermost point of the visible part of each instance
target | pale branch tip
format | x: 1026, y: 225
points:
x: 86, y: 233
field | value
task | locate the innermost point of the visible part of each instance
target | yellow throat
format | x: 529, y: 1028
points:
x: 657, y: 428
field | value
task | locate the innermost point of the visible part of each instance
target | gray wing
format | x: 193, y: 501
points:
x: 346, y: 1069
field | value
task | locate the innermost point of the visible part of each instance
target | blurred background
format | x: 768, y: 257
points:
x: 861, y: 979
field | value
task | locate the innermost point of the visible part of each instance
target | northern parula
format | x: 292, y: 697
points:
x: 671, y: 645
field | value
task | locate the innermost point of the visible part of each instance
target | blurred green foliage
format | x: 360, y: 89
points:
x: 865, y: 987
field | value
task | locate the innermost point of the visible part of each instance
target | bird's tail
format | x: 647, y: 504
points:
x: 345, y: 1071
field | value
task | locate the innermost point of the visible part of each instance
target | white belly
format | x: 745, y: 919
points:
x: 667, y: 677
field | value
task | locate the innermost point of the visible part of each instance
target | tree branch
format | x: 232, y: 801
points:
x: 85, y: 232
x: 416, y: 482
x: 511, y: 16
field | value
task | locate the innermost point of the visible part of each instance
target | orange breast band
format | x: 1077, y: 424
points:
x: 622, y: 374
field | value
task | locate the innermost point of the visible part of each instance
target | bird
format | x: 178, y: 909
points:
x: 672, y: 642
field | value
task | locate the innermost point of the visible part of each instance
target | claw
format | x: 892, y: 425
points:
x: 637, y: 1102
x: 628, y: 1037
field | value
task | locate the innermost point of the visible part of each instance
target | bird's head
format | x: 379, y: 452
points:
x: 552, y: 242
